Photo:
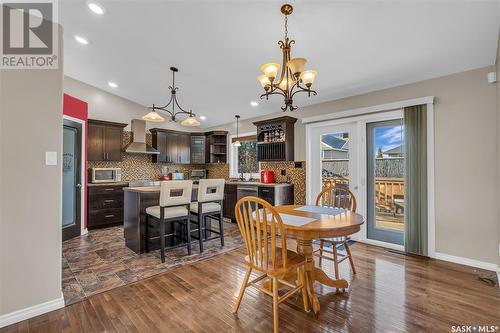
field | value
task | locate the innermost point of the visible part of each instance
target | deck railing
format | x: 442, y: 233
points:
x: 389, y: 192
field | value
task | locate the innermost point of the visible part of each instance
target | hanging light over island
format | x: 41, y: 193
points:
x: 154, y: 115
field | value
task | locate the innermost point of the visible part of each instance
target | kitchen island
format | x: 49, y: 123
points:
x: 136, y: 200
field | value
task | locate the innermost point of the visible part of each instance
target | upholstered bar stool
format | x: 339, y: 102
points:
x: 209, y: 205
x: 175, y: 198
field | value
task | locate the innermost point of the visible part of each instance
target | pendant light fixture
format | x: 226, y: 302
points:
x: 237, y: 142
x: 154, y: 116
x: 293, y: 79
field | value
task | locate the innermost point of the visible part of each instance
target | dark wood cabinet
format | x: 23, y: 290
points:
x: 174, y: 147
x: 216, y: 147
x: 105, y: 205
x: 275, y: 139
x: 104, y: 140
x: 189, y: 148
x: 184, y: 148
x: 230, y: 199
x: 197, y: 149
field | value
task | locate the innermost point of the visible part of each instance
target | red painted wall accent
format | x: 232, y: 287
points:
x: 76, y: 108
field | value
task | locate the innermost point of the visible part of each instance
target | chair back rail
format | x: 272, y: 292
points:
x: 206, y: 185
x: 262, y: 230
x: 339, y: 197
x: 170, y: 187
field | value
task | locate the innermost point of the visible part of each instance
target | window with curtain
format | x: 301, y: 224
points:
x: 244, y: 158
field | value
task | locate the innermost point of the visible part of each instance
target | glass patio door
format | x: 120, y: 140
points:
x: 334, y: 159
x: 385, y: 181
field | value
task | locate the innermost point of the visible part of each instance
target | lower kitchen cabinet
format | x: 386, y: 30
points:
x: 230, y: 199
x: 105, y: 205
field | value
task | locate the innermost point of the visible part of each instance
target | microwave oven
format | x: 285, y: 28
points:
x: 105, y: 175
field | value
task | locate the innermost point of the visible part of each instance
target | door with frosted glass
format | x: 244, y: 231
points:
x: 72, y: 182
x: 385, y: 185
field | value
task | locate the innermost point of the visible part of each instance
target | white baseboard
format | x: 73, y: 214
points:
x: 381, y: 244
x: 30, y: 312
x: 467, y: 262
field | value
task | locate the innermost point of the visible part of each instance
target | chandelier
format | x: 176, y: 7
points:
x: 293, y: 79
x: 154, y: 116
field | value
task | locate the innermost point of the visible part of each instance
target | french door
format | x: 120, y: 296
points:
x: 385, y: 181
x: 334, y: 158
x: 72, y: 179
x: 365, y: 154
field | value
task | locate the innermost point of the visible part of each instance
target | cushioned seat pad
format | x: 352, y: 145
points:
x: 208, y: 207
x: 170, y: 212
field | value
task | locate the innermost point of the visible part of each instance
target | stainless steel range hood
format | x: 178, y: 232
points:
x: 138, y: 145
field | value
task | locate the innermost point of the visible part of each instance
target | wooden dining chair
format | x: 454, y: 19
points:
x: 265, y: 240
x: 336, y: 197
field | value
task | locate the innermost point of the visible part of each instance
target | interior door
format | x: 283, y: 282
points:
x: 333, y: 153
x: 72, y: 181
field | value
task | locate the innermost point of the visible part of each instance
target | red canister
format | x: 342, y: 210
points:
x: 267, y: 176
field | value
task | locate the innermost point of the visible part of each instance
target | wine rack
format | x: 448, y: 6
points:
x: 275, y: 139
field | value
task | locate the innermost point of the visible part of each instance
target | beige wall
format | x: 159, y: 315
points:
x: 466, y: 161
x: 106, y: 106
x: 30, y: 244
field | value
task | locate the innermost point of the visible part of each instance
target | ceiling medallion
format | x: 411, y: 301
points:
x: 154, y: 116
x: 293, y: 79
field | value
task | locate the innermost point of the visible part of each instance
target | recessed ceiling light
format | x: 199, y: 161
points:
x: 254, y: 103
x: 81, y: 40
x: 96, y: 7
x: 203, y: 118
x: 112, y: 84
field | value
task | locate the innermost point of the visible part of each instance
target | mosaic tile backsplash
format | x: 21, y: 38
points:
x: 297, y: 177
x: 140, y: 166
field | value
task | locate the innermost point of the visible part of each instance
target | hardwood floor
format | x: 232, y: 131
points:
x: 390, y: 293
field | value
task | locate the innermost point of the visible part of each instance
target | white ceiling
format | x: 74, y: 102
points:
x: 219, y: 47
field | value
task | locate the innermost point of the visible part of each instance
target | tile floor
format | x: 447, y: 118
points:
x: 100, y: 261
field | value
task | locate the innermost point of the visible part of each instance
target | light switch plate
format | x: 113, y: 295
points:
x: 50, y: 158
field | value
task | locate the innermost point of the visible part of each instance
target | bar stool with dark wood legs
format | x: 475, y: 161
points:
x: 336, y: 197
x: 175, y: 198
x: 209, y: 205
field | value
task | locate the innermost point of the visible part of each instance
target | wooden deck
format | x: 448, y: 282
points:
x: 390, y: 293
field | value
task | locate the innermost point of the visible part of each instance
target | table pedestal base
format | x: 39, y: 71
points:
x: 305, y: 248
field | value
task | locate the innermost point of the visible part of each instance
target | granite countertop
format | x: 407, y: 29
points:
x: 108, y: 184
x: 148, y: 189
x: 257, y: 183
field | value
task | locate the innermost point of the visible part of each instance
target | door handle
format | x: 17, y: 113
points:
x: 79, y: 185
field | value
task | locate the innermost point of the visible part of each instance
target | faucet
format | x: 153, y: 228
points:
x: 242, y: 178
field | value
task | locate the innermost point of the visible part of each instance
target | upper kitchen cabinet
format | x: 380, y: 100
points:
x: 275, y: 139
x: 216, y: 147
x: 105, y: 140
x: 174, y: 147
x: 197, y: 148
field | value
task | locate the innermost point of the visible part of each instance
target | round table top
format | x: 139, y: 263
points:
x: 324, y: 225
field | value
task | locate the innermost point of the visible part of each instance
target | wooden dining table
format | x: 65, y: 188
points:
x: 323, y: 224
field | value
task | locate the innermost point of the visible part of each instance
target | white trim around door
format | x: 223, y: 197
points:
x: 369, y: 114
x: 83, y: 230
